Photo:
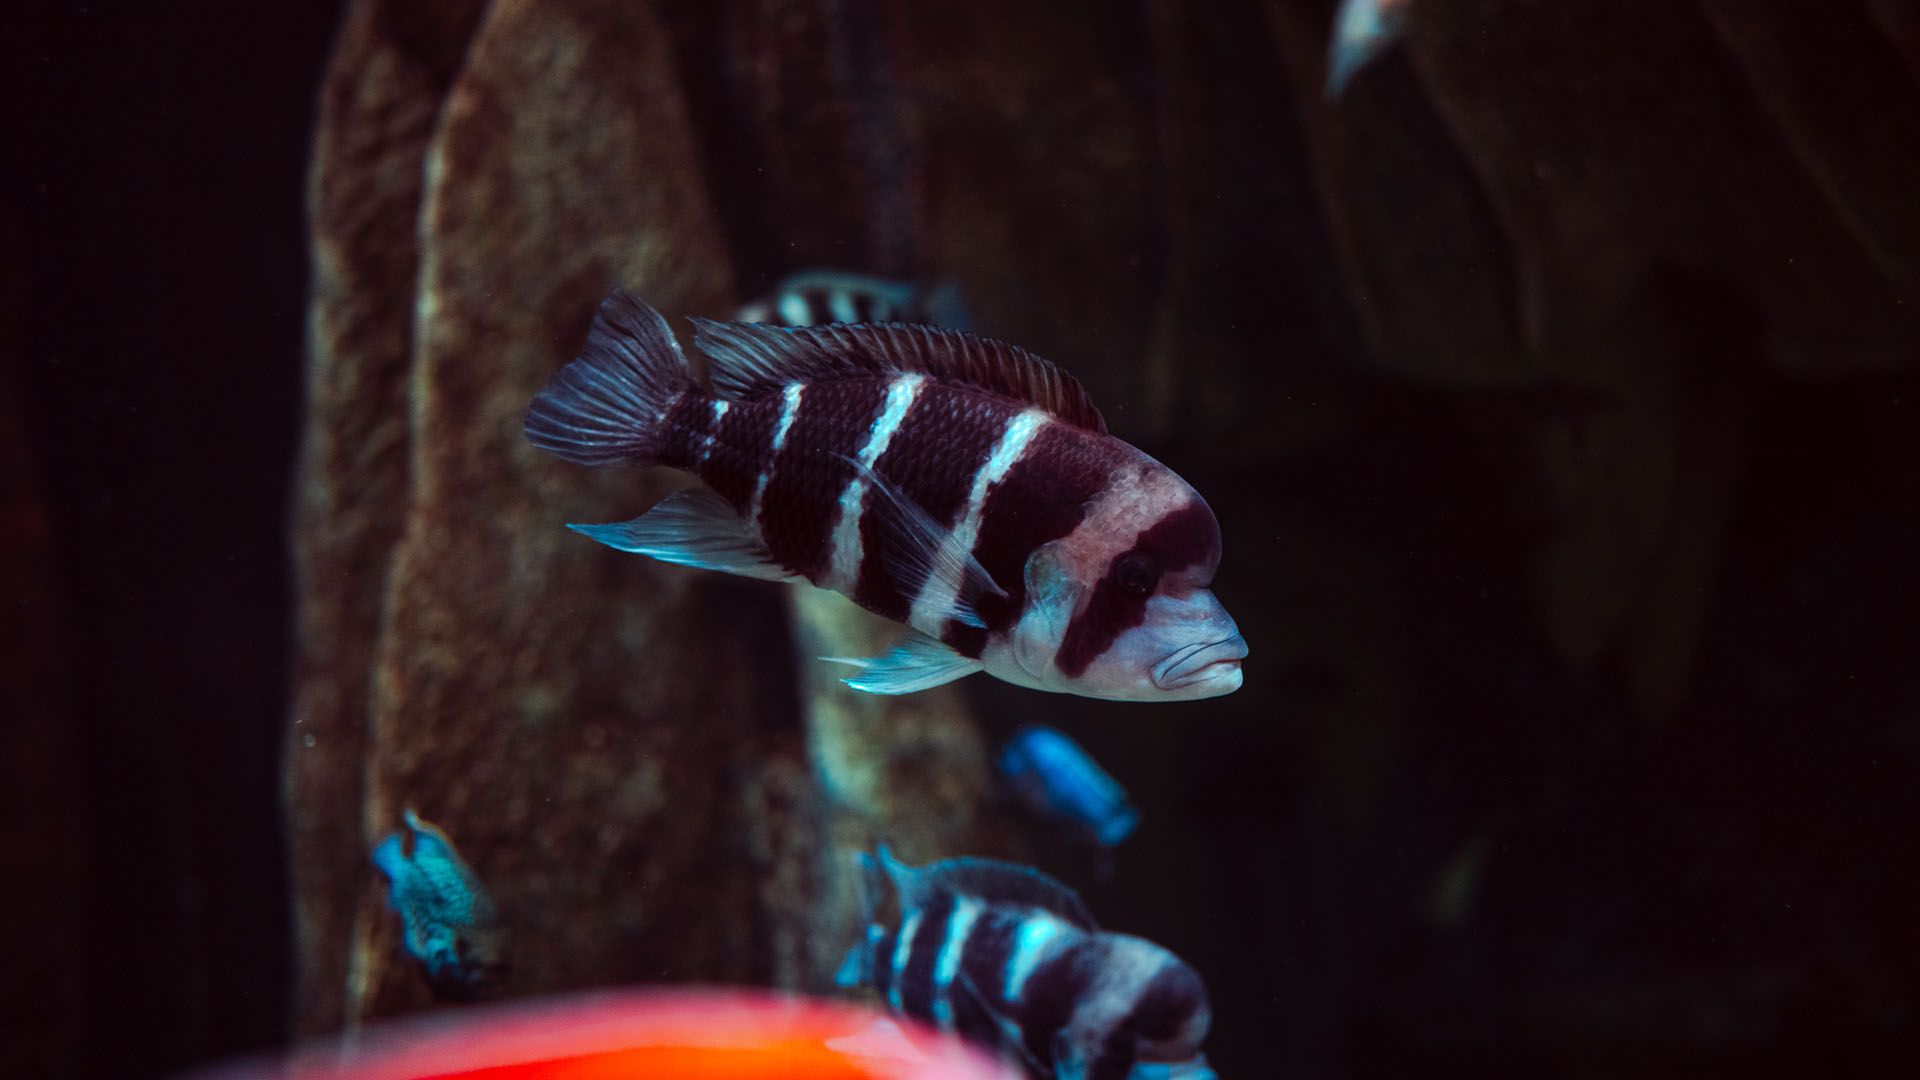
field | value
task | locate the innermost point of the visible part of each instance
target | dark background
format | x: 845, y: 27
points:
x: 151, y: 203
x: 1723, y: 888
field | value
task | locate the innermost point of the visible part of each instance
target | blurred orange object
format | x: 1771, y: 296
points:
x: 692, y: 1034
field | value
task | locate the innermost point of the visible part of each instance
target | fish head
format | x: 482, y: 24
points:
x: 1170, y: 1018
x: 1123, y: 607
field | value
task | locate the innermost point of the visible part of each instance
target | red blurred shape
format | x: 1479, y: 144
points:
x: 692, y: 1034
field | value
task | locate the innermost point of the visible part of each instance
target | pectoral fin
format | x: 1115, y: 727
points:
x: 920, y: 551
x: 919, y: 663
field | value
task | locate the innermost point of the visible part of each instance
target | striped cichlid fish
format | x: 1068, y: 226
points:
x: 962, y: 486
x: 1011, y: 959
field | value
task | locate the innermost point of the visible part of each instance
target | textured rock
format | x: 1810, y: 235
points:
x: 574, y: 718
x: 391, y: 68
x: 619, y: 747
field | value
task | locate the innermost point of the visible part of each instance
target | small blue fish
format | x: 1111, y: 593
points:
x: 1362, y: 30
x: 1011, y: 960
x: 452, y: 927
x: 1060, y: 782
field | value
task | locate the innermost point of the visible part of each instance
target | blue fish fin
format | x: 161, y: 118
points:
x: 694, y: 527
x: 606, y: 407
x: 921, y: 552
x: 919, y: 663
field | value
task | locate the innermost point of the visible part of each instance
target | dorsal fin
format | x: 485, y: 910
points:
x: 750, y: 359
x: 989, y: 881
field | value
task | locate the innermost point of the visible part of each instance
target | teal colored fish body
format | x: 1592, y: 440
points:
x: 451, y: 925
x: 1058, y: 781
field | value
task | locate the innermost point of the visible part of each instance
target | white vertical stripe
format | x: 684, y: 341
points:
x: 844, y: 569
x: 937, y: 595
x: 794, y: 311
x: 947, y: 965
x: 789, y: 408
x: 840, y: 303
x: 902, y: 949
x: 713, y: 429
x: 1029, y: 948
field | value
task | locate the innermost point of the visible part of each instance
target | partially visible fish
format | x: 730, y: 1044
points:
x: 1057, y: 780
x: 820, y: 297
x: 1362, y: 30
x: 666, y: 1032
x: 1011, y: 959
x: 962, y: 486
x: 452, y: 927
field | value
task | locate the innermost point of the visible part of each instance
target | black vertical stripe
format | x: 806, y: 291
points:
x: 685, y: 429
x: 983, y: 964
x: 880, y: 961
x: 939, y: 448
x: 802, y: 500
x: 916, y: 980
x: 1053, y: 991
x: 1113, y: 1058
x: 742, y: 446
x: 1041, y: 499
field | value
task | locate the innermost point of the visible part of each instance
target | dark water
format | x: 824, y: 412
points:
x: 1429, y: 834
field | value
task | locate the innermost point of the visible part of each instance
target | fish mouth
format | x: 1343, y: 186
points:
x: 1203, y: 662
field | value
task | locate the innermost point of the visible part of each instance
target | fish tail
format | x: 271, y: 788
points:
x: 609, y: 407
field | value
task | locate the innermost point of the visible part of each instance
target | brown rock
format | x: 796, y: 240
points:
x: 389, y: 73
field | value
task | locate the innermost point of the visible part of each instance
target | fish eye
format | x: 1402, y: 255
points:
x: 1136, y: 572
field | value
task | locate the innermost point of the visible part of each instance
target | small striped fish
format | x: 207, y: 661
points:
x: 1056, y: 779
x: 1011, y: 959
x: 819, y: 297
x: 451, y: 926
x: 955, y: 484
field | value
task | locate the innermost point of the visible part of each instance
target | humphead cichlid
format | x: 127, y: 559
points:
x: 1056, y: 779
x: 1362, y: 30
x: 819, y: 297
x: 451, y: 925
x: 956, y: 484
x: 1010, y: 959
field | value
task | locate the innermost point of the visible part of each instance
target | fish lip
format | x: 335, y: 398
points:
x: 1200, y: 662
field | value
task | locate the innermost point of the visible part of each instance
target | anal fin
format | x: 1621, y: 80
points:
x: 694, y: 527
x: 919, y: 663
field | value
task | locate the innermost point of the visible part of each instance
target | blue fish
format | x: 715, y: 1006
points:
x: 452, y: 926
x: 1060, y: 782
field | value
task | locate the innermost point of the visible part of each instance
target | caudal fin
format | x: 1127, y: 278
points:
x: 606, y: 407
